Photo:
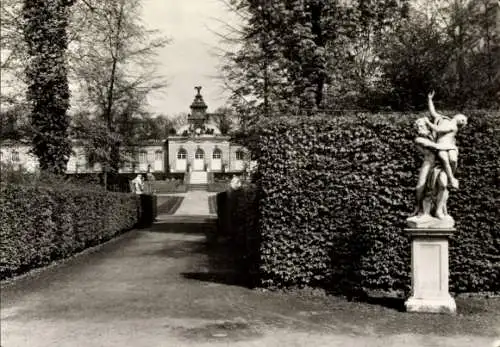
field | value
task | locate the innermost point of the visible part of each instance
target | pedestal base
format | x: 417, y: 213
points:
x: 438, y: 305
x: 430, y: 222
x: 430, y: 272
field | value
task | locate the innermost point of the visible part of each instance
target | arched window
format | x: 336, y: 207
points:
x: 158, y: 155
x: 81, y: 158
x: 150, y: 156
x: 181, y: 154
x: 143, y: 157
x: 15, y: 156
x: 240, y: 155
x: 199, y: 154
x: 217, y: 154
x: 88, y: 166
x: 129, y: 159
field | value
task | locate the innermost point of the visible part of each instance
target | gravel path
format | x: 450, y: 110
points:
x: 194, y: 203
x: 165, y: 287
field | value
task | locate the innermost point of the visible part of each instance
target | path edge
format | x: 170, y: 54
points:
x: 60, y: 262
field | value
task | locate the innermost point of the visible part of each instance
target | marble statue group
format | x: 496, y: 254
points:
x: 436, y: 140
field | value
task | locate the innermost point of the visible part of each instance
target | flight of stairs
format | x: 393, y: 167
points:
x: 198, y: 180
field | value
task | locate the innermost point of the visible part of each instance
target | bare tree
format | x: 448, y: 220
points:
x: 114, y: 63
x: 226, y: 119
x: 13, y: 54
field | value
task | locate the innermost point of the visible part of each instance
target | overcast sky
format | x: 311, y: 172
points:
x: 189, y: 60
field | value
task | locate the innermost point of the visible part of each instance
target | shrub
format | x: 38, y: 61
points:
x: 335, y: 193
x: 223, y: 213
x: 119, y: 182
x: 237, y: 212
x: 116, y: 182
x: 39, y: 224
x: 219, y: 181
x: 148, y: 210
x: 16, y: 174
x: 223, y: 177
x: 217, y: 187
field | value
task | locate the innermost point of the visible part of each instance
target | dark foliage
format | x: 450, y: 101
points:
x: 334, y: 195
x: 237, y: 213
x: 45, y: 24
x: 40, y: 224
x: 148, y: 210
x: 120, y: 182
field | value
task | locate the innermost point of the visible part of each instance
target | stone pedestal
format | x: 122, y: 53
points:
x: 430, y: 272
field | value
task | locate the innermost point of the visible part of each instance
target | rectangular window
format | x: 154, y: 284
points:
x: 151, y: 156
x: 15, y: 156
x: 158, y: 155
x: 143, y: 157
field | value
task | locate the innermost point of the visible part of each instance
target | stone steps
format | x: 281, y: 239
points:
x: 198, y: 177
x: 198, y: 180
x: 202, y: 187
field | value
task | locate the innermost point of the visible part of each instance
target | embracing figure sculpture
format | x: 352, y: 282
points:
x: 436, y: 140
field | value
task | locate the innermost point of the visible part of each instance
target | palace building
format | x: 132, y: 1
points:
x: 197, y: 146
x: 200, y: 146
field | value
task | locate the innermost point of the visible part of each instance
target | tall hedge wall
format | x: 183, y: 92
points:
x: 335, y: 193
x: 42, y: 224
x: 237, y: 212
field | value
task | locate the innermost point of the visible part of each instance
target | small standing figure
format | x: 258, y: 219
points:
x: 149, y: 174
x: 138, y: 184
x: 150, y: 178
x: 446, y: 130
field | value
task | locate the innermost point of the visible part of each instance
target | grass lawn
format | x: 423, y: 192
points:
x: 169, y: 204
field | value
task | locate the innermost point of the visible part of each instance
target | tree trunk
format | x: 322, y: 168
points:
x: 105, y: 179
x: 319, y: 40
x: 109, y: 107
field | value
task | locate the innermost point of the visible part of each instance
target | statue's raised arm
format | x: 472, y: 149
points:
x: 435, y: 115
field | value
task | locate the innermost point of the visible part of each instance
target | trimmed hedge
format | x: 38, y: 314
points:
x: 335, y: 194
x: 237, y: 223
x: 222, y: 176
x: 41, y: 224
x: 219, y: 181
x: 115, y: 182
x: 148, y: 210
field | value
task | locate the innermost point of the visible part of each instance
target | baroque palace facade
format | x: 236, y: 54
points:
x: 197, y: 146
